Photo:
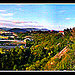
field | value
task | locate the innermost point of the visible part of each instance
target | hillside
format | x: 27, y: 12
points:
x: 64, y: 60
x: 4, y: 28
x: 46, y: 52
x: 26, y: 29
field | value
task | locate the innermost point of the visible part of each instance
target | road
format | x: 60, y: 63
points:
x: 9, y: 47
x: 11, y: 40
x: 61, y: 53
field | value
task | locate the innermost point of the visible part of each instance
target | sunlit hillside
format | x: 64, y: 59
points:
x: 44, y: 51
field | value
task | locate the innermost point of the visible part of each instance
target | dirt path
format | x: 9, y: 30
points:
x: 58, y: 55
x: 61, y: 53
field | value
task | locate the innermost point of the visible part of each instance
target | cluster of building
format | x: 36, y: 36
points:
x: 49, y: 31
x: 7, y: 43
x: 61, y: 32
x: 7, y: 34
x: 4, y: 38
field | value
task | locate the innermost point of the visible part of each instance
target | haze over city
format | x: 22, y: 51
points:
x: 50, y: 16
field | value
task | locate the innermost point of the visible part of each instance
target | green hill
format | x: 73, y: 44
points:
x: 47, y: 51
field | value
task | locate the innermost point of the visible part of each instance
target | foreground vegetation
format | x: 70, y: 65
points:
x: 40, y: 53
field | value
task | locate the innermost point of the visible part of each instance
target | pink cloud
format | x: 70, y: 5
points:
x: 67, y: 18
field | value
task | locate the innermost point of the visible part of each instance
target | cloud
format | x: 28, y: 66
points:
x: 5, y: 19
x: 67, y: 18
x: 62, y: 11
x: 28, y: 24
x: 2, y: 10
x: 19, y: 24
x: 7, y: 14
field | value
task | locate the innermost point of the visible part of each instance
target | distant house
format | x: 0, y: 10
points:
x: 61, y: 32
x: 12, y: 36
x: 2, y: 37
x: 6, y: 34
x: 52, y: 30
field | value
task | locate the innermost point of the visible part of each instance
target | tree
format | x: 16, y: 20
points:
x: 15, y: 67
x: 73, y: 46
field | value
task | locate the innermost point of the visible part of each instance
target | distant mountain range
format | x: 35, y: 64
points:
x: 6, y: 29
x: 23, y: 29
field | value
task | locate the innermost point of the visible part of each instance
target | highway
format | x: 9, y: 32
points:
x: 11, y: 40
x: 9, y: 47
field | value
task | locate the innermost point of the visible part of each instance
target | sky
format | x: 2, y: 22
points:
x: 50, y: 16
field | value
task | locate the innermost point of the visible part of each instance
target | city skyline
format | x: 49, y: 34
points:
x: 50, y: 16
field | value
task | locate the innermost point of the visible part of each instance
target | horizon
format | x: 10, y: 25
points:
x: 36, y: 28
x: 49, y: 16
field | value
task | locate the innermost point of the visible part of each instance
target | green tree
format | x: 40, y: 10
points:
x: 15, y: 67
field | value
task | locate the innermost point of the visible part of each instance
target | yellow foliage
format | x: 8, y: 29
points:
x: 37, y: 61
x: 45, y: 58
x: 49, y: 54
x: 7, y: 50
x: 21, y: 47
x: 3, y: 37
x: 46, y: 47
x: 16, y: 69
x: 52, y: 58
x: 25, y: 40
x: 27, y: 68
x: 35, y: 53
x: 36, y: 46
x: 2, y: 52
x: 52, y: 62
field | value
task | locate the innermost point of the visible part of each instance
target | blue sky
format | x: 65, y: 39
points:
x: 50, y: 16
